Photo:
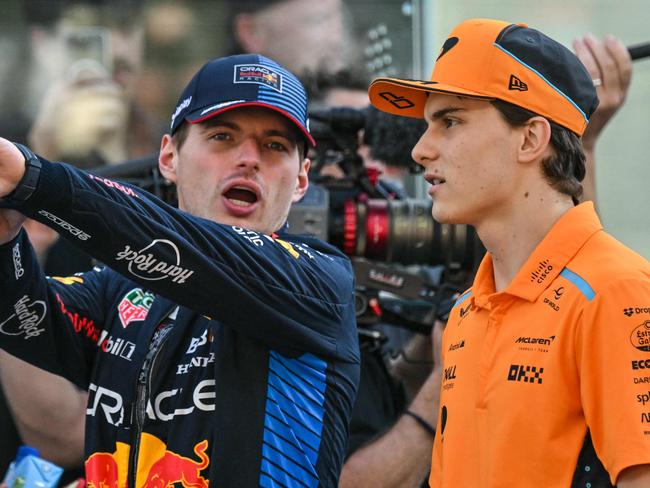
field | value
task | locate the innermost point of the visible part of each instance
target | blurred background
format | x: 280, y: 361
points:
x: 151, y: 48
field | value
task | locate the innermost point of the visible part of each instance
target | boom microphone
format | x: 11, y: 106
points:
x: 639, y: 51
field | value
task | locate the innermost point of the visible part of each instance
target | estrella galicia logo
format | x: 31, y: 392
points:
x: 28, y: 315
x: 258, y: 74
x: 397, y: 101
x: 640, y: 337
x: 525, y: 373
x: 446, y: 47
x: 516, y: 84
x: 144, y: 265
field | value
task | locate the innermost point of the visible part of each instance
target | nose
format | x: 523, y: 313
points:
x: 250, y: 154
x: 424, y: 150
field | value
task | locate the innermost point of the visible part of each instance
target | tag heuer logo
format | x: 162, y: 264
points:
x: 517, y: 84
x: 134, y: 306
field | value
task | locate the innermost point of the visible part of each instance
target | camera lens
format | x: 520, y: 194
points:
x: 403, y: 231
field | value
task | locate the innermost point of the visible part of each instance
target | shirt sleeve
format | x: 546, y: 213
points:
x: 613, y: 357
x: 52, y: 323
x: 286, y: 293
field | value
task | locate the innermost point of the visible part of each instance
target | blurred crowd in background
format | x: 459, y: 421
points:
x: 153, y: 46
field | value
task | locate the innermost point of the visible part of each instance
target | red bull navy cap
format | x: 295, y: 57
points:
x: 238, y: 81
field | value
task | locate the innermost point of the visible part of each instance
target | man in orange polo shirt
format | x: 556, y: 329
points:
x: 552, y: 342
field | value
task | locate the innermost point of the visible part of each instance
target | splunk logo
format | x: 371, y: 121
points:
x: 28, y: 315
x: 542, y: 271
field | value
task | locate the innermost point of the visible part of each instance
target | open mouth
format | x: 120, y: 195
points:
x: 241, y: 196
x: 433, y: 181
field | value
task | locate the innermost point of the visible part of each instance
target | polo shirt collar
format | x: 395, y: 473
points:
x: 549, y: 258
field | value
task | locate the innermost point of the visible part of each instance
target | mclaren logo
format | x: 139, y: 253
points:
x: 544, y: 341
x: 516, y: 84
x: 449, y: 43
x: 396, y: 101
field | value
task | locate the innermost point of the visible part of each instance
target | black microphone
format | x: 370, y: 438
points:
x: 639, y: 51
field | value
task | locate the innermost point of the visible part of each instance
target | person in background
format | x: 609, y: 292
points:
x: 87, y: 56
x: 315, y: 39
x: 541, y: 351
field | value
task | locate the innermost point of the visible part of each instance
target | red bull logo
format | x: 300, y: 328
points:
x: 108, y: 470
x: 157, y: 467
x: 172, y: 468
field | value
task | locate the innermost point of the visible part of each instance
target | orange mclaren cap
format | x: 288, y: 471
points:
x: 492, y: 59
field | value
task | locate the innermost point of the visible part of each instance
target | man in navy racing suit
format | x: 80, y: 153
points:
x: 215, y: 347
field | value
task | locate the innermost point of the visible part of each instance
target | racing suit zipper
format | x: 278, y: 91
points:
x: 143, y: 388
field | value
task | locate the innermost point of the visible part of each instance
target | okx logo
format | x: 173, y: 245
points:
x: 525, y: 373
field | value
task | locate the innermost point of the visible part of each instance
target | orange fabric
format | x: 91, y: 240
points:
x: 564, y: 348
x: 475, y: 66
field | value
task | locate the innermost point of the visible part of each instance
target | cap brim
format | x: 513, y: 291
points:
x: 201, y: 114
x: 407, y: 97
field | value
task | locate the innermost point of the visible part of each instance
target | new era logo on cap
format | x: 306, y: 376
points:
x: 242, y: 80
x: 517, y: 84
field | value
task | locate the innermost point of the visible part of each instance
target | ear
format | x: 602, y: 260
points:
x: 168, y: 159
x: 303, y: 180
x: 247, y: 34
x: 536, y: 140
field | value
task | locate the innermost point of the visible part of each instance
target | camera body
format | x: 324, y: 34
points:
x: 87, y: 52
x: 407, y: 266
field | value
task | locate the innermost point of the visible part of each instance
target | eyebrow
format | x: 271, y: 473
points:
x: 443, y: 112
x: 216, y: 122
